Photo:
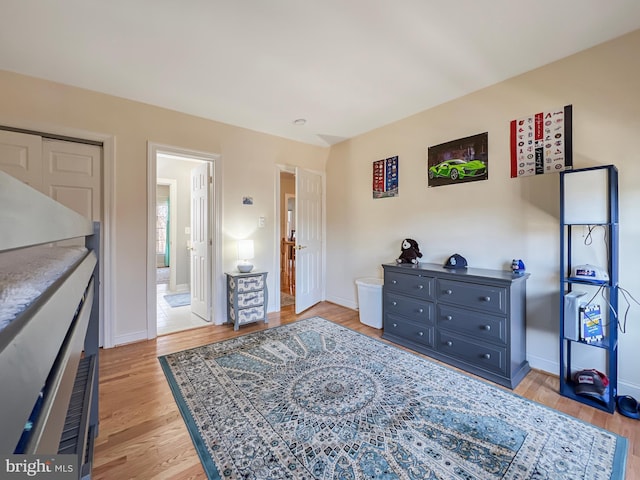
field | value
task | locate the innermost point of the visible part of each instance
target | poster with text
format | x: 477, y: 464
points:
x: 542, y: 143
x: 385, y: 178
x: 458, y: 161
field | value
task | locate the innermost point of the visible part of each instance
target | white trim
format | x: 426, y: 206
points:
x: 217, y: 303
x: 108, y: 225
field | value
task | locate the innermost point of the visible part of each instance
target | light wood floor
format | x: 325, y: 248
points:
x: 142, y: 434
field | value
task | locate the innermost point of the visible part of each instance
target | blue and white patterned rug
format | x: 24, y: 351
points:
x: 315, y: 400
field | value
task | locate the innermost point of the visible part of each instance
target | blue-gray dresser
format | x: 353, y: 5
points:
x: 473, y: 319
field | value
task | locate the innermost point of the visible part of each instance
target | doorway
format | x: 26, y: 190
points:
x: 182, y: 240
x: 300, y: 236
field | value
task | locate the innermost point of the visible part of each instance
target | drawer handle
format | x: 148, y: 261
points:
x: 394, y: 303
x: 448, y: 292
x: 487, y: 356
x: 395, y: 325
x: 394, y: 281
x: 487, y: 327
x: 421, y: 333
x: 448, y: 317
x: 420, y: 287
x: 486, y: 299
x: 449, y: 343
x: 421, y: 310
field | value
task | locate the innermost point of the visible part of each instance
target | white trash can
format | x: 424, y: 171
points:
x: 370, y: 301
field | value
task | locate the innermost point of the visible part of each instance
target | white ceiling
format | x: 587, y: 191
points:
x: 346, y: 66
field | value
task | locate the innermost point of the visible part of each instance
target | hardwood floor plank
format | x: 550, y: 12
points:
x: 142, y: 434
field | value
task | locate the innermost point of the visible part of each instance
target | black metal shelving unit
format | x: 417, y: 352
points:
x: 569, y: 347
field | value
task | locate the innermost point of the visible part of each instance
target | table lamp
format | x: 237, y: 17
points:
x: 245, y: 253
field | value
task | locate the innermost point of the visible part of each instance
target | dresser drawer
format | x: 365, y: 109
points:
x: 479, y: 297
x: 247, y: 315
x: 487, y: 357
x: 414, y: 332
x: 248, y: 284
x: 249, y: 299
x: 416, y: 310
x: 413, y: 285
x: 479, y: 325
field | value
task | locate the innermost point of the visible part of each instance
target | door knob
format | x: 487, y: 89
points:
x: 300, y: 247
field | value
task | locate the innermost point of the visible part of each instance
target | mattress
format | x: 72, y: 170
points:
x: 25, y: 274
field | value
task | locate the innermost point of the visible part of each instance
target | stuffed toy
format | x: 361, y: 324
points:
x: 517, y: 266
x: 410, y: 252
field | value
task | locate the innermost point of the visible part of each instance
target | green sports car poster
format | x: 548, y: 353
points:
x: 459, y: 161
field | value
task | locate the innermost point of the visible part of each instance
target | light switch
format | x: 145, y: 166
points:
x: 261, y: 222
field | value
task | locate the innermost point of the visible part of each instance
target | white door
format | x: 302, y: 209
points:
x: 200, y: 242
x: 308, y: 213
x: 21, y: 157
x: 73, y: 176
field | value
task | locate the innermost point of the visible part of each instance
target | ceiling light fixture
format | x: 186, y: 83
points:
x: 299, y: 121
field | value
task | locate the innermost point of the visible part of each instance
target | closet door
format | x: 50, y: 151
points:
x: 21, y: 157
x: 72, y: 176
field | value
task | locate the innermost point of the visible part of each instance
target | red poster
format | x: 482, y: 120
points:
x: 542, y: 143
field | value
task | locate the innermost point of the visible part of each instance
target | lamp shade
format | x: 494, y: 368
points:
x: 245, y: 253
x: 245, y: 249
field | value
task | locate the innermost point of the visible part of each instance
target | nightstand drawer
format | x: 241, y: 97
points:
x: 248, y: 284
x: 414, y: 285
x: 479, y: 297
x: 249, y: 299
x: 416, y: 333
x: 478, y: 325
x: 483, y: 356
x: 414, y: 309
x: 248, y: 315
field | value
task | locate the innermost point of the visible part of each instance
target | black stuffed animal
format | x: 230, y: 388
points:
x: 410, y: 252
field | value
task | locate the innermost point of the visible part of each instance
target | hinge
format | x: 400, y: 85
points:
x: 210, y: 179
x: 210, y: 242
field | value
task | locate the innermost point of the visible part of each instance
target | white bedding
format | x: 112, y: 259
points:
x: 25, y: 274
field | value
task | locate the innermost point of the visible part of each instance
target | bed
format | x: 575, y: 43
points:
x: 49, y: 326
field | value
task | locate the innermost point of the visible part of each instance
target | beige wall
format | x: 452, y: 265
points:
x: 491, y: 222
x: 249, y: 162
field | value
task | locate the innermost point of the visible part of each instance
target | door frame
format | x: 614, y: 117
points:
x: 217, y: 280
x: 278, y: 234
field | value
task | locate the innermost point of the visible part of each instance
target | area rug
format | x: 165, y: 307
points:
x: 315, y: 400
x: 178, y: 299
x: 286, y: 299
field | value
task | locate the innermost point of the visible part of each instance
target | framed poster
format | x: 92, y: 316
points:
x: 385, y: 177
x: 542, y: 143
x: 459, y: 161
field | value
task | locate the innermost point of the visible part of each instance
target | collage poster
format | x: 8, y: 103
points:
x: 385, y: 178
x: 542, y: 143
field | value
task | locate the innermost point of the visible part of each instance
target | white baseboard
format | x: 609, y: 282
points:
x: 130, y: 338
x: 344, y: 302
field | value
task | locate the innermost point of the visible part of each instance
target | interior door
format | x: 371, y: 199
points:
x: 200, y: 242
x: 73, y: 176
x: 309, y: 234
x: 21, y: 157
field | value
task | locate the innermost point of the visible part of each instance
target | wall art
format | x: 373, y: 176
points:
x: 542, y: 143
x: 459, y: 161
x: 385, y: 178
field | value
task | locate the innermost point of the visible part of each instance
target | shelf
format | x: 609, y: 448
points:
x: 590, y: 196
x: 568, y: 390
x: 604, y: 343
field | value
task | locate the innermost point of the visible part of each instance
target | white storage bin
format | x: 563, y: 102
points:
x: 370, y: 301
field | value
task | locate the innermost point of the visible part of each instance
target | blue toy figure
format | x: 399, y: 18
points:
x: 517, y: 266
